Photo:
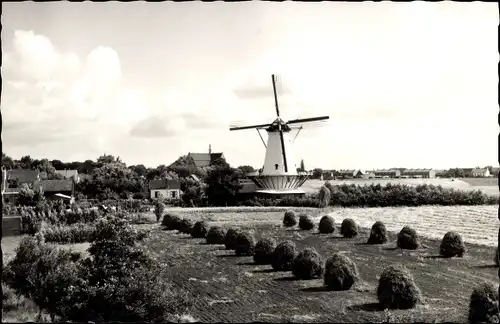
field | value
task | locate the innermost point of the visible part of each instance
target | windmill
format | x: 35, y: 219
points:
x: 279, y: 174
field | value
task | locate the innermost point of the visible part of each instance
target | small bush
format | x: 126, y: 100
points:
x: 159, y: 207
x: 483, y: 307
x: 245, y: 244
x: 283, y: 256
x: 186, y: 226
x: 326, y: 225
x: 397, y: 289
x: 340, y: 272
x: 289, y: 220
x: 308, y: 264
x: 172, y: 221
x: 408, y: 239
x: 324, y: 197
x: 230, y: 240
x: 378, y: 234
x: 349, y: 228
x: 200, y: 230
x: 216, y: 235
x: 452, y: 245
x: 264, y: 251
x: 306, y: 222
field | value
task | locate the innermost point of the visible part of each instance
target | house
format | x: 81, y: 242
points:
x: 204, y: 159
x: 386, y: 173
x: 419, y: 173
x: 350, y: 174
x: 165, y: 188
x: 328, y: 175
x: 69, y: 174
x: 480, y: 172
x: 57, y: 189
x: 247, y: 187
x: 467, y: 172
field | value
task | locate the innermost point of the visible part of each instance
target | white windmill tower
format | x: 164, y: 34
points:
x: 279, y: 174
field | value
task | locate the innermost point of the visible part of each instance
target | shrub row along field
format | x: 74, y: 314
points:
x: 333, y: 278
x: 375, y: 195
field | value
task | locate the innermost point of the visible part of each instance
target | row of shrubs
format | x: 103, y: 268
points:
x: 452, y: 243
x: 375, y: 195
x: 396, y: 288
x: 102, y: 287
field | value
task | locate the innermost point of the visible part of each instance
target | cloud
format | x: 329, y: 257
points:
x: 49, y: 96
x: 158, y: 127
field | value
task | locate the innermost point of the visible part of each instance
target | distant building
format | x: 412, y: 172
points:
x: 165, y: 189
x: 480, y: 172
x: 69, y: 174
x: 348, y: 174
x: 386, y: 173
x: 328, y: 175
x: 418, y: 173
x: 204, y: 159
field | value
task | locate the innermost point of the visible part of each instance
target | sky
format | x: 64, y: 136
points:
x: 405, y: 84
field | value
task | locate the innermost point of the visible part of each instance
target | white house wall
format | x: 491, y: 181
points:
x: 165, y: 193
x: 274, y: 155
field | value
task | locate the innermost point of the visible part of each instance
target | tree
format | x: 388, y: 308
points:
x: 26, y: 162
x: 317, y: 173
x: 7, y: 162
x: 222, y: 184
x: 139, y: 169
x: 302, y: 167
x: 246, y: 169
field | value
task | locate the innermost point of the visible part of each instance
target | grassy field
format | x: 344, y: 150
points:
x: 487, y: 185
x: 233, y: 289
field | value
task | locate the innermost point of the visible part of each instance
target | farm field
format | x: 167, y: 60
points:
x: 487, y: 185
x: 233, y: 289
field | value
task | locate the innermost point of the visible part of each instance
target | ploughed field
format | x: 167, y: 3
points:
x: 233, y: 289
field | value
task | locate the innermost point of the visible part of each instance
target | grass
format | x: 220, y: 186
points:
x: 233, y: 289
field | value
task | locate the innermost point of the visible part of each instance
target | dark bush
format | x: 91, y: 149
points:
x: 306, y: 222
x: 245, y: 244
x: 378, y: 234
x: 200, y: 230
x: 264, y: 251
x: 172, y: 221
x: 230, y: 240
x: 452, y: 245
x: 483, y: 307
x: 308, y: 264
x: 397, y: 289
x: 289, y: 220
x: 326, y: 225
x: 349, y: 228
x: 408, y: 239
x: 283, y: 256
x: 340, y: 272
x: 186, y: 226
x: 216, y: 235
x: 497, y: 257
